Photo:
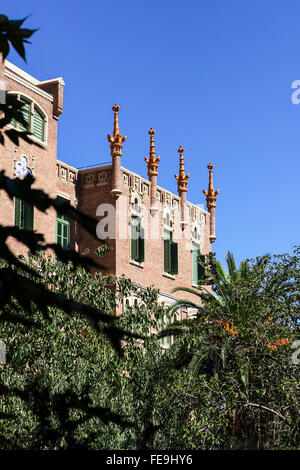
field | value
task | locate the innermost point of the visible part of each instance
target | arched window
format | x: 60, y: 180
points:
x: 35, y: 118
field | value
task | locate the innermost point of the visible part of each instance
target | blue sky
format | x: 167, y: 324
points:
x: 211, y: 75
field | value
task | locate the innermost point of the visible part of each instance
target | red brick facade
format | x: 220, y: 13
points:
x: 93, y: 189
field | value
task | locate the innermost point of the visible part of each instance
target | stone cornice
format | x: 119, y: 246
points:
x: 16, y: 78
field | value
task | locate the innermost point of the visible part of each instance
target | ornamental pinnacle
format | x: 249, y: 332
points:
x: 116, y: 141
x: 152, y: 161
x: 182, y: 178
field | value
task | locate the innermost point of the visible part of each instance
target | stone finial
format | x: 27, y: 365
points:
x: 116, y: 141
x: 211, y: 193
x: 182, y: 178
x: 152, y: 161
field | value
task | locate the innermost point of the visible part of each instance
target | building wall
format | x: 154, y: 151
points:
x: 94, y: 187
x: 42, y: 158
x: 151, y: 271
x: 90, y: 189
x: 94, y: 191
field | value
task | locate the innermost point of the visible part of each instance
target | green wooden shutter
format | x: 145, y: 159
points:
x: 167, y: 264
x: 28, y: 216
x: 195, y: 266
x: 134, y: 240
x: 63, y: 233
x: 160, y: 327
x: 167, y: 339
x: 38, y: 125
x: 174, y: 258
x: 18, y: 212
x: 201, y: 268
x: 58, y: 232
x: 23, y: 214
x: 141, y: 245
x: 26, y: 115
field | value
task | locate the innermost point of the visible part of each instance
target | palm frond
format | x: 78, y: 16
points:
x: 231, y: 266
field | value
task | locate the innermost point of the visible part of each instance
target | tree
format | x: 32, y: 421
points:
x: 24, y: 297
x: 16, y: 284
x: 65, y: 385
x: 242, y: 387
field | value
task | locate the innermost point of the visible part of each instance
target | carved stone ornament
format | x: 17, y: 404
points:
x: 22, y: 168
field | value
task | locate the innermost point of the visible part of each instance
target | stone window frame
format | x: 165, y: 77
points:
x: 133, y: 212
x: 167, y: 211
x: 33, y: 104
x: 136, y: 197
x: 199, y: 238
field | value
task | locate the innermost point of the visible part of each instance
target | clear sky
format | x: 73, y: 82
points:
x: 213, y: 76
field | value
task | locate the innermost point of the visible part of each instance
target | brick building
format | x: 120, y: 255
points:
x: 157, y: 237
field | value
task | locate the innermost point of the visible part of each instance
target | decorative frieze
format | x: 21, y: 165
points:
x: 175, y: 204
x: 168, y: 199
x: 72, y: 176
x: 66, y: 173
x: 101, y: 177
x: 145, y: 189
x: 137, y: 184
x: 89, y: 179
x: 126, y: 180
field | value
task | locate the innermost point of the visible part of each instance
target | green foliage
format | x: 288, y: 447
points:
x: 238, y: 351
x: 226, y: 383
x: 78, y: 377
x: 12, y: 32
x: 64, y: 385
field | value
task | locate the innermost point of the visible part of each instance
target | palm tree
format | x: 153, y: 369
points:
x: 221, y: 282
x: 214, y: 292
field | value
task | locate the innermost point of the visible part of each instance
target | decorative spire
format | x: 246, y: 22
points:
x: 116, y: 141
x: 211, y: 193
x: 182, y: 178
x: 152, y: 161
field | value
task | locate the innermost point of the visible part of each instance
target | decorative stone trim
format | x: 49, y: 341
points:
x: 63, y: 195
x: 169, y: 276
x: 101, y: 178
x: 66, y: 173
x: 28, y: 85
x: 136, y: 263
x: 33, y: 104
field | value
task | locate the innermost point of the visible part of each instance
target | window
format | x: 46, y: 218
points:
x: 26, y: 115
x: 23, y: 214
x: 137, y: 240
x: 35, y: 118
x: 170, y: 254
x: 163, y: 324
x: 38, y: 125
x: 63, y: 228
x: 136, y: 206
x: 197, y: 262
